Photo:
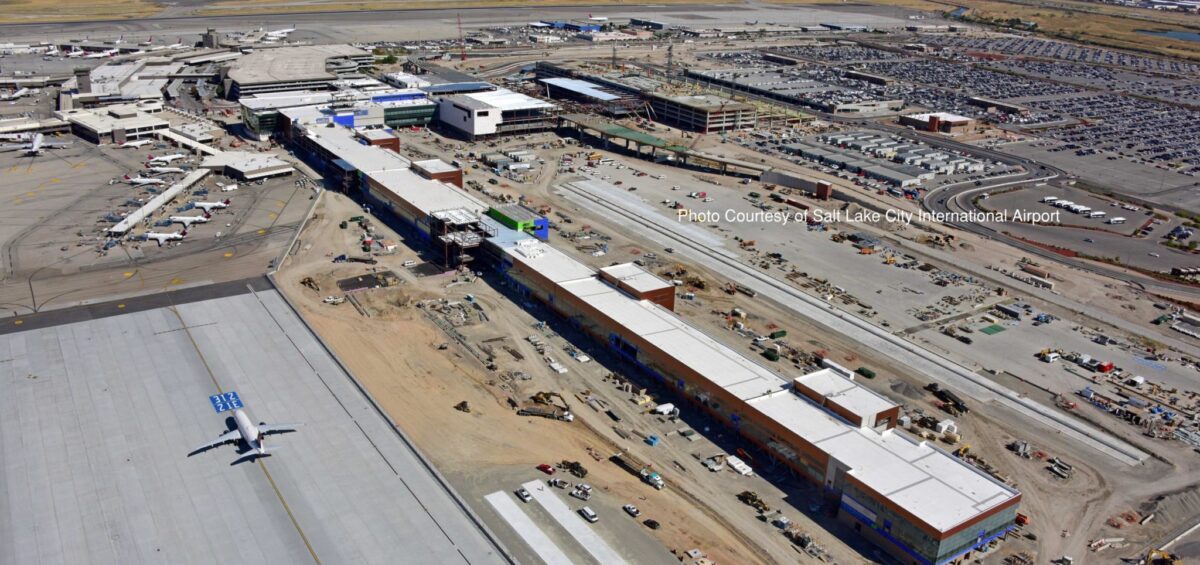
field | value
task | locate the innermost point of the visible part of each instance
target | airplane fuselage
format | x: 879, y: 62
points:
x: 249, y: 431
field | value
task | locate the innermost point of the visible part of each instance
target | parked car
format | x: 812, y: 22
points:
x: 589, y: 515
x: 546, y: 468
x: 632, y: 510
x: 652, y: 524
x: 524, y: 495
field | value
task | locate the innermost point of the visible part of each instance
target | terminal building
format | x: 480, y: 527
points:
x: 919, y: 503
x: 497, y: 112
x: 911, y: 498
x: 703, y: 113
x: 305, y: 67
x: 939, y: 122
x: 607, y: 100
x: 263, y: 114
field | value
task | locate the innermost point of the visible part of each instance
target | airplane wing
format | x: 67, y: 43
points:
x: 277, y: 428
x: 226, y: 437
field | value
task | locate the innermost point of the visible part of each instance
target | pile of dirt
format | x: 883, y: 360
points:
x: 905, y: 389
x: 1174, y: 507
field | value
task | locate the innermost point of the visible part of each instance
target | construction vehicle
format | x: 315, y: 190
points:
x: 751, y: 498
x: 1160, y: 557
x: 574, y: 467
x: 544, y: 411
x: 335, y: 300
x: 543, y: 406
x: 639, y: 468
x: 463, y: 407
x: 310, y: 283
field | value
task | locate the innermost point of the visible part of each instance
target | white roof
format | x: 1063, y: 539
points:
x: 435, y: 166
x: 943, y: 116
x: 845, y: 393
x: 931, y: 484
x: 582, y: 87
x: 426, y: 195
x: 340, y: 141
x: 934, y: 486
x: 550, y: 262
x: 636, y: 277
x: 505, y: 100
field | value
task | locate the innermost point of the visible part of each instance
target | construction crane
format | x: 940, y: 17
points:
x: 462, y: 43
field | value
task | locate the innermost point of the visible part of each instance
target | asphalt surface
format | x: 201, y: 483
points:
x: 112, y: 308
x: 102, y: 412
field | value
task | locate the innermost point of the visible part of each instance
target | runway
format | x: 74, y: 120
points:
x: 102, y: 410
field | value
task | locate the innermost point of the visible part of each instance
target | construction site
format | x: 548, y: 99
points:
x: 600, y: 289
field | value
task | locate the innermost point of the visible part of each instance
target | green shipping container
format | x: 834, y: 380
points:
x: 865, y: 372
x: 778, y: 334
x: 771, y: 355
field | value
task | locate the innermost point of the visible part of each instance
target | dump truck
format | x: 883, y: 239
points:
x: 639, y: 468
x: 546, y: 411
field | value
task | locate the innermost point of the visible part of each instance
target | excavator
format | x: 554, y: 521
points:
x: 1160, y: 557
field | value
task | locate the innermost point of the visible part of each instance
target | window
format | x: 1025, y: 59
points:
x: 481, y: 113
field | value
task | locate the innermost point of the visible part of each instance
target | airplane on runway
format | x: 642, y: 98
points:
x: 165, y: 170
x: 139, y: 180
x: 164, y: 159
x: 35, y: 145
x: 163, y: 237
x: 187, y: 221
x: 210, y: 206
x: 250, y: 434
x: 136, y: 144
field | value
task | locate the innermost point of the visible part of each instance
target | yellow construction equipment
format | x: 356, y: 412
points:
x: 1160, y: 557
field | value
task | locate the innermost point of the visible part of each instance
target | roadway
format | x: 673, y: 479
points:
x: 618, y: 206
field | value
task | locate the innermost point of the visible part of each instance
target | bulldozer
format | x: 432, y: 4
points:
x: 1160, y: 557
x: 751, y: 498
x: 310, y: 283
x: 463, y: 407
x: 574, y: 467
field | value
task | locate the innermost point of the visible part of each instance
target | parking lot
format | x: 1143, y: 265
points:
x: 1060, y: 50
x: 1122, y: 127
x: 1105, y: 78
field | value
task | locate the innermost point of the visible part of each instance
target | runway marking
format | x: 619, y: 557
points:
x: 176, y: 280
x: 127, y: 274
x: 121, y: 306
x: 261, y: 465
x: 18, y: 322
x: 228, y: 254
x: 261, y: 232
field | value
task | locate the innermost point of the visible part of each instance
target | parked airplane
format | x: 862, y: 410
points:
x: 140, y: 180
x: 281, y: 33
x: 250, y: 434
x: 35, y: 145
x: 16, y: 94
x: 164, y: 170
x: 163, y: 237
x: 136, y: 144
x: 187, y: 221
x: 74, y: 53
x: 210, y: 206
x: 164, y: 159
x: 102, y: 54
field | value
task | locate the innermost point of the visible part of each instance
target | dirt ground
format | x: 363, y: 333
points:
x: 396, y: 355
